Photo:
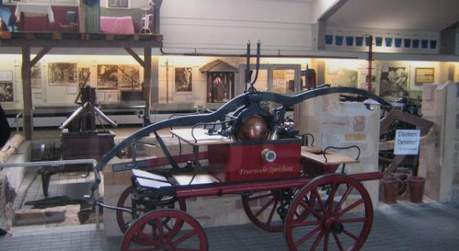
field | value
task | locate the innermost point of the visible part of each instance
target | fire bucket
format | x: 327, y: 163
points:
x: 416, y: 188
x: 390, y: 188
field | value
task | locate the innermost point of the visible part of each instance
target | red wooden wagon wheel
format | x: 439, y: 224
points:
x: 124, y: 219
x: 190, y: 237
x: 267, y: 209
x: 330, y: 212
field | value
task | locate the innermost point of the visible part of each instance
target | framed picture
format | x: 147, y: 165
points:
x: 62, y: 73
x: 118, y: 3
x: 36, y: 76
x: 343, y: 77
x: 424, y: 76
x: 220, y: 86
x: 6, y: 91
x: 128, y: 77
x: 283, y: 81
x: 107, y: 76
x: 183, y: 79
x: 394, y: 82
x: 84, y: 76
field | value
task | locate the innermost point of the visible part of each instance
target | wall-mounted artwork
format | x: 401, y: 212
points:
x: 107, y: 76
x: 6, y: 92
x: 118, y: 3
x: 128, y: 77
x: 183, y: 79
x: 36, y: 76
x: 62, y: 73
x: 283, y: 81
x: 84, y: 76
x: 424, y: 76
x: 338, y: 76
x: 220, y: 86
x: 394, y: 82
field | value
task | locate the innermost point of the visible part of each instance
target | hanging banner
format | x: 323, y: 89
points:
x: 407, y: 142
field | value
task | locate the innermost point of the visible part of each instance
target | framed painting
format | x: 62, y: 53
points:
x: 220, y: 86
x: 107, y: 76
x: 62, y: 73
x: 424, y: 76
x: 394, y: 82
x: 128, y: 77
x: 36, y: 76
x: 183, y: 79
x: 6, y: 91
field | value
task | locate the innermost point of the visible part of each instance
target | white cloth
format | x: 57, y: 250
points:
x: 43, y: 9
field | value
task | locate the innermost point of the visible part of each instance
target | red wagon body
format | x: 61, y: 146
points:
x: 245, y: 162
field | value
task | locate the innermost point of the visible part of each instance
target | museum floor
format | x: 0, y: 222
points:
x: 405, y: 226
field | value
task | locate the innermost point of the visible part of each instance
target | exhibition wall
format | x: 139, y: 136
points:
x: 182, y: 85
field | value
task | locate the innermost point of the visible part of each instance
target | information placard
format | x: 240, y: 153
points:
x: 407, y: 142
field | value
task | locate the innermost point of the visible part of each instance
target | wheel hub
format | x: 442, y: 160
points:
x: 333, y: 225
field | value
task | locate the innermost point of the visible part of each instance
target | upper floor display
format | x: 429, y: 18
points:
x: 85, y: 16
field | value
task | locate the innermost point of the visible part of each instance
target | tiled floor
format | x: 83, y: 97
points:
x: 405, y: 226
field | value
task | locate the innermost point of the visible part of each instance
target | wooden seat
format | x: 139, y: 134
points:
x: 147, y: 183
x: 187, y: 179
x: 149, y: 180
x: 146, y: 175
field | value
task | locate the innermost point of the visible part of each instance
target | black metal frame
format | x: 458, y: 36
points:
x: 248, y: 100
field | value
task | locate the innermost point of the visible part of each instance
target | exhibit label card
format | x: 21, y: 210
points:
x: 407, y: 142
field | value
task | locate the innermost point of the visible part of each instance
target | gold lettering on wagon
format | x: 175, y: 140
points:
x: 264, y: 170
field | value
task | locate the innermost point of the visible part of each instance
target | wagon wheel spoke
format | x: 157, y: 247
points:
x: 338, y: 242
x: 327, y: 234
x: 183, y: 238
x: 350, y: 234
x: 158, y: 225
x: 263, y: 208
x: 307, y: 236
x: 272, y: 212
x: 350, y: 207
x: 166, y: 226
x: 352, y: 220
x: 319, y: 200
x: 259, y: 196
x: 344, y: 197
x: 331, y: 198
x: 305, y: 223
x: 141, y: 249
x: 313, y: 212
x: 317, y: 241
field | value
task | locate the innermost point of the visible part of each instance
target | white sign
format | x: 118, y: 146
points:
x: 407, y: 142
